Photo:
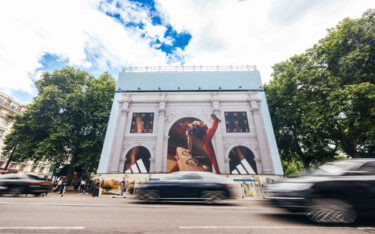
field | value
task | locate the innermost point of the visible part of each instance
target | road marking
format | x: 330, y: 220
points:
x: 135, y: 205
x: 42, y: 228
x: 266, y: 227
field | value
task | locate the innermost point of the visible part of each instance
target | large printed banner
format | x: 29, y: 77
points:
x: 190, y: 147
x: 137, y: 160
x: 241, y: 161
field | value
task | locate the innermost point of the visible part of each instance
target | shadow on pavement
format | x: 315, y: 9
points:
x: 299, y: 218
x: 187, y: 203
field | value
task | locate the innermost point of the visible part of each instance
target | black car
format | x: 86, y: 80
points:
x: 338, y: 192
x: 16, y: 184
x: 187, y: 186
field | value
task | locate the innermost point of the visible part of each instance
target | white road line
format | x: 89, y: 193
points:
x: 265, y: 227
x: 42, y: 228
x: 135, y: 205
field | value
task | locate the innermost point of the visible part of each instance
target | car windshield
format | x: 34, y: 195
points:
x: 336, y: 168
x: 193, y: 176
x: 184, y: 176
x: 33, y: 177
x: 11, y: 177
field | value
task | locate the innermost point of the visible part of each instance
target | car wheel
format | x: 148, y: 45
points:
x: 15, y: 192
x: 331, y: 211
x: 149, y: 195
x: 213, y: 196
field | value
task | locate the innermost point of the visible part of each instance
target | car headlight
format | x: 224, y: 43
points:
x: 290, y: 186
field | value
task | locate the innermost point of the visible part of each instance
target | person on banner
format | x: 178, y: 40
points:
x: 200, y: 130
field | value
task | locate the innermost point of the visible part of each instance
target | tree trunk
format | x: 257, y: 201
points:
x: 306, y: 165
x: 71, y: 168
x: 350, y: 147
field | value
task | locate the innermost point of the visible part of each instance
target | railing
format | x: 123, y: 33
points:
x: 189, y: 68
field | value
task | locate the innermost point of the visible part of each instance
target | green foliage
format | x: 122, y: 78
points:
x: 293, y: 168
x: 66, y: 121
x: 324, y: 99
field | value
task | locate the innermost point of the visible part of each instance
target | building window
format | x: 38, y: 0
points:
x: 33, y: 169
x: 13, y: 107
x: 5, y: 122
x: 1, y: 133
x: 2, y: 101
x: 142, y: 123
x: 21, y: 168
x: 41, y: 169
x: 236, y: 122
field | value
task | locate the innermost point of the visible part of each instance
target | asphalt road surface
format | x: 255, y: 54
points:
x: 83, y: 214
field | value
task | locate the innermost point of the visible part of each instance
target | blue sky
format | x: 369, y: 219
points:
x: 98, y: 36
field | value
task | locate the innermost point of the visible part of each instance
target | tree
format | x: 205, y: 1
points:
x: 292, y: 107
x: 347, y: 57
x: 324, y: 99
x: 66, y: 121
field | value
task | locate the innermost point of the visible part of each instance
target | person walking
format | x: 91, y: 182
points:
x: 95, y: 188
x: 123, y: 186
x: 62, y: 186
x: 82, y: 187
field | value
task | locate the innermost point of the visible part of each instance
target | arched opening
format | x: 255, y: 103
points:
x: 178, y: 157
x: 137, y: 160
x: 242, y: 161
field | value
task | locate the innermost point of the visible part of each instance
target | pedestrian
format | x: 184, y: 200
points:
x: 123, y: 186
x: 82, y: 187
x: 56, y: 185
x: 95, y: 188
x: 62, y: 186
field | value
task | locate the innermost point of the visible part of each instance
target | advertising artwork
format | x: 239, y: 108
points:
x: 241, y: 161
x: 190, y: 147
x: 142, y: 123
x: 137, y: 160
x: 236, y: 122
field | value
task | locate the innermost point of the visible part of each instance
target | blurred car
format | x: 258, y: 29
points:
x: 189, y: 185
x: 338, y: 192
x: 8, y: 171
x: 16, y: 184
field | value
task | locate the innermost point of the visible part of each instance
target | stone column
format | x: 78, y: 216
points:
x: 219, y: 152
x: 114, y: 164
x: 264, y: 151
x: 159, y: 157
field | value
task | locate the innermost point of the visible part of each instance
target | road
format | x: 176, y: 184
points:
x: 85, y: 214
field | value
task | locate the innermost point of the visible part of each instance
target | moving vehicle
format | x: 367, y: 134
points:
x: 8, y: 171
x: 338, y: 192
x: 189, y: 185
x: 16, y: 184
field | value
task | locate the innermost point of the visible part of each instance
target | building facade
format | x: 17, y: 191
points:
x: 10, y: 106
x: 155, y: 111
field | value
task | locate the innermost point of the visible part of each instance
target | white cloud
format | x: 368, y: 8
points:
x: 230, y: 32
x: 29, y: 29
x: 224, y: 32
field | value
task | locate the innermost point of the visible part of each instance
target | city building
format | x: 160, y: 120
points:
x: 154, y: 106
x: 10, y: 106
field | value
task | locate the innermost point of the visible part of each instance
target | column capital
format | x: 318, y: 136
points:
x: 162, y: 107
x: 124, y: 107
x: 254, y: 104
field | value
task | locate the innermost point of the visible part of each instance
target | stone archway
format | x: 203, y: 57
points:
x: 137, y: 160
x: 242, y: 161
